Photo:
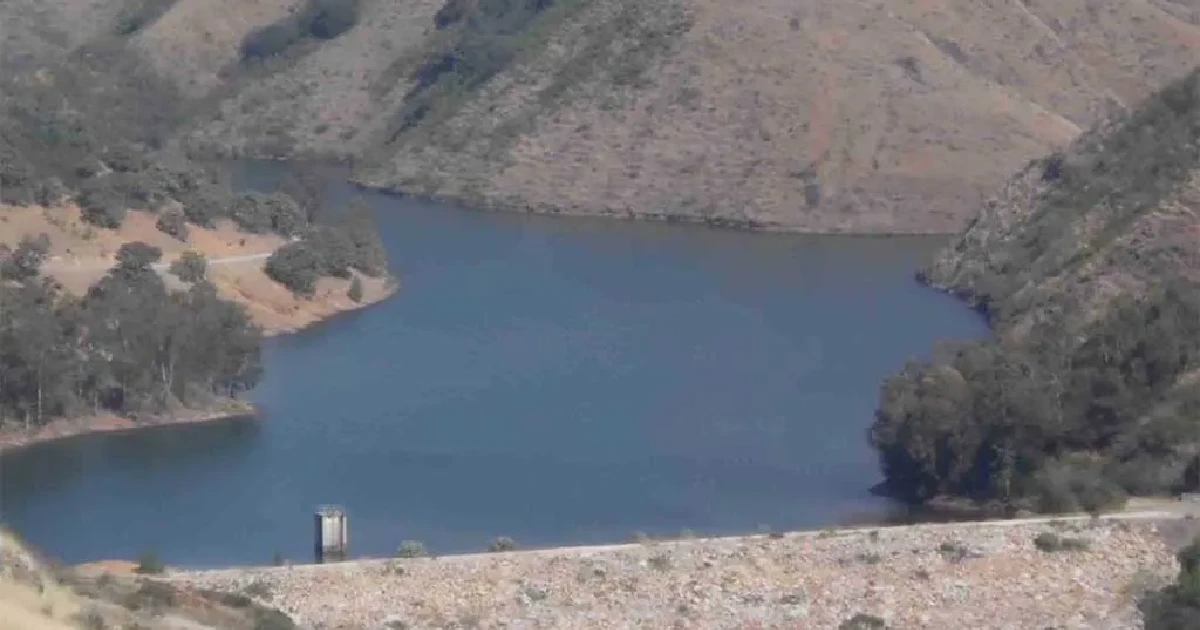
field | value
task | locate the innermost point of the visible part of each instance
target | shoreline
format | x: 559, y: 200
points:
x: 16, y: 438
x: 390, y: 287
x: 665, y: 218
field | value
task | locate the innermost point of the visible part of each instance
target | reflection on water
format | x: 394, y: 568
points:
x: 50, y: 467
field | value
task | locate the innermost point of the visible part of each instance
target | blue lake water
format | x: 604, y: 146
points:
x: 558, y: 381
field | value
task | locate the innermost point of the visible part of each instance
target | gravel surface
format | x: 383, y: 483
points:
x: 982, y: 575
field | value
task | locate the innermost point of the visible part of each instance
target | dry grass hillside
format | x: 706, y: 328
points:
x: 852, y: 115
x: 857, y: 116
x: 825, y: 116
x: 35, y: 595
x: 81, y: 254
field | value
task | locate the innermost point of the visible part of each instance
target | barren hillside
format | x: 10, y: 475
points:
x: 36, y: 595
x: 823, y: 116
x: 978, y: 576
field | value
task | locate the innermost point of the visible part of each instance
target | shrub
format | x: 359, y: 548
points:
x: 1064, y: 486
x: 287, y: 217
x: 190, y: 267
x: 136, y: 189
x: 1177, y: 607
x: 954, y: 551
x: 1052, y: 166
x: 296, y: 267
x: 50, y: 192
x: 502, y: 543
x: 252, y: 212
x: 369, y: 255
x: 327, y: 19
x: 451, y: 12
x: 411, y: 549
x: 17, y: 176
x: 205, y: 205
x: 259, y: 589
x: 102, y: 206
x: 1049, y: 542
x: 139, y: 15
x: 149, y: 562
x: 863, y: 621
x: 126, y: 158
x: 270, y: 619
x: 173, y: 222
x: 660, y: 562
x: 321, y: 19
x: 355, y: 292
x: 333, y: 249
x: 137, y: 256
x: 91, y: 619
x: 870, y: 557
x: 87, y: 168
x: 26, y: 260
x: 270, y: 40
x: 151, y: 594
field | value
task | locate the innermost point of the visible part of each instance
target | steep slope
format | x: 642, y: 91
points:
x: 1115, y: 215
x: 824, y: 116
x: 34, y: 595
x: 1086, y: 263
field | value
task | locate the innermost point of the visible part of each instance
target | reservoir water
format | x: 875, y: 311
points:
x: 557, y: 381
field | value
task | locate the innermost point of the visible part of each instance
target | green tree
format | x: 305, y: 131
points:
x: 102, y: 205
x: 252, y: 212
x: 26, y: 260
x: 295, y: 266
x: 1177, y: 607
x: 137, y: 256
x: 287, y: 217
x: 190, y: 267
x: 204, y: 204
x: 173, y: 223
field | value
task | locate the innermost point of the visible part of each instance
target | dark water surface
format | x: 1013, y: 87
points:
x: 557, y: 381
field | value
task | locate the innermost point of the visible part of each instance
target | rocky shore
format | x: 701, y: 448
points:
x: 1036, y: 573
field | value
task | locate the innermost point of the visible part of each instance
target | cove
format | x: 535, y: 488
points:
x: 557, y: 381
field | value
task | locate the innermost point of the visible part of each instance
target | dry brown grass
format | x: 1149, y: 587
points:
x: 81, y: 254
x: 903, y: 113
x: 34, y: 595
x: 907, y: 112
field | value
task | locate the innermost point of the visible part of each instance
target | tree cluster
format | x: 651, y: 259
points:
x: 1177, y: 607
x: 129, y: 346
x: 317, y: 19
x: 484, y: 37
x: 1049, y: 424
x: 346, y: 243
x: 259, y: 213
x: 1080, y: 401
